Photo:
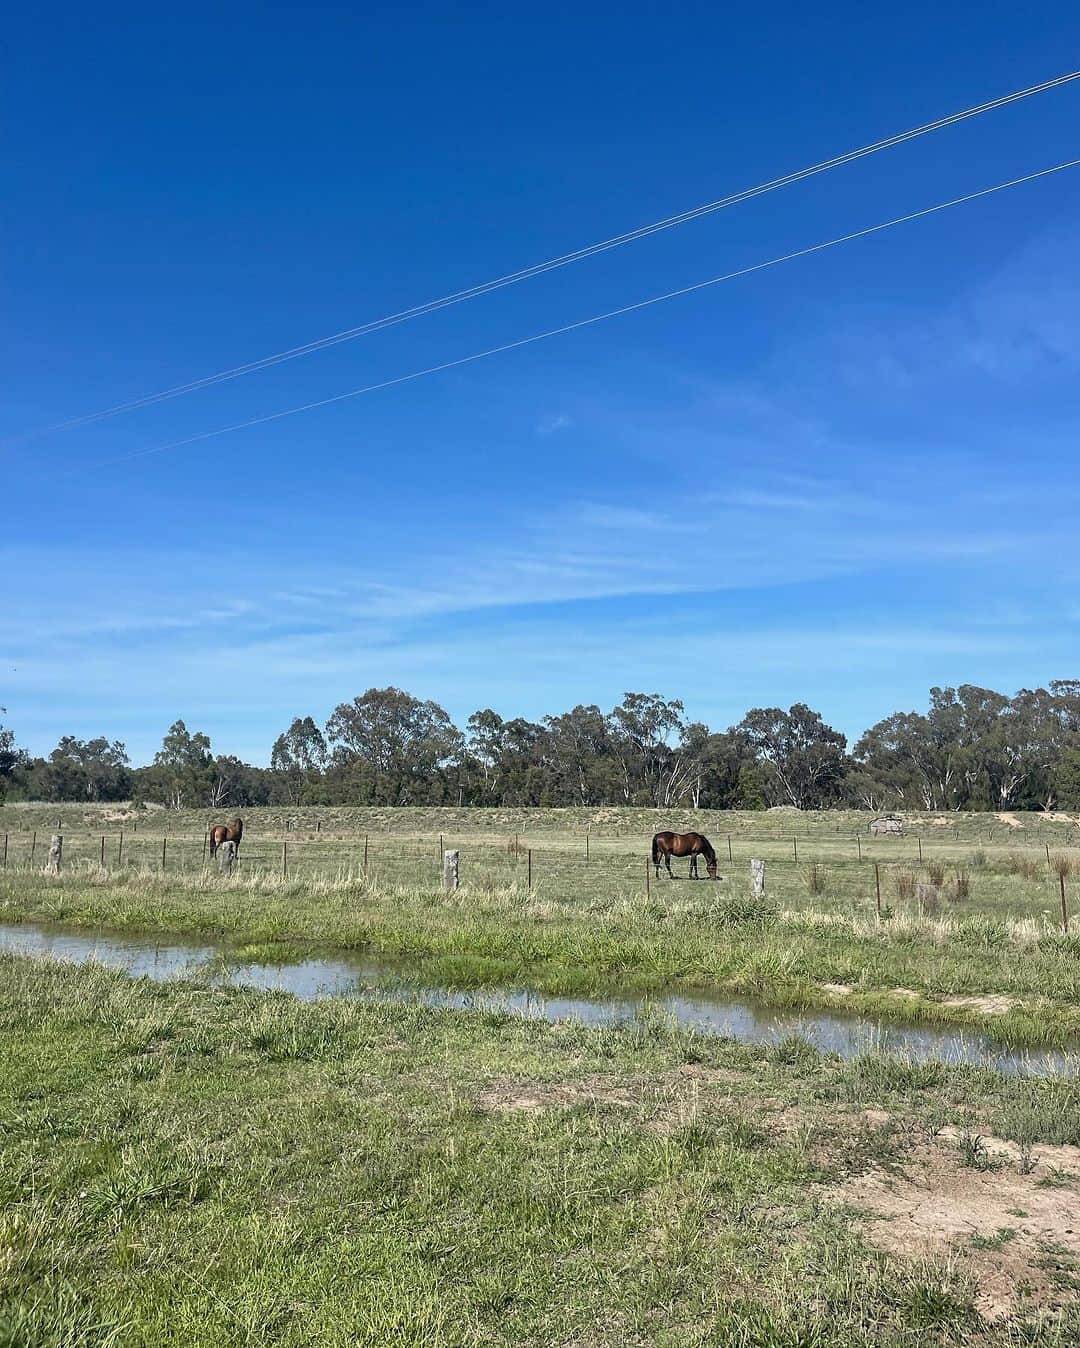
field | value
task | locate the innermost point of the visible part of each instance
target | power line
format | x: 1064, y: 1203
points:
x: 552, y: 264
x: 597, y: 318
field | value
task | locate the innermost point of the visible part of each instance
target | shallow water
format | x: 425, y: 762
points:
x: 403, y: 981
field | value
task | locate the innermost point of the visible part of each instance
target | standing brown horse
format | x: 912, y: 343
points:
x: 692, y: 845
x: 232, y: 832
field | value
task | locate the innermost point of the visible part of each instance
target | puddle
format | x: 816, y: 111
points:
x: 403, y: 981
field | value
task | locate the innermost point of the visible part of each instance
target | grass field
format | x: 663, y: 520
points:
x: 1001, y: 865
x: 191, y: 1166
x: 187, y: 1164
x: 992, y: 956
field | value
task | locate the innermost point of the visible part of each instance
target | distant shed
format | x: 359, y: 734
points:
x: 889, y: 827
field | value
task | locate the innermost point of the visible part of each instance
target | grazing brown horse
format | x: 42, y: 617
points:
x: 232, y: 832
x: 692, y: 845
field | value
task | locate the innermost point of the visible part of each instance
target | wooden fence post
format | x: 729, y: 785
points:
x: 5, y: 850
x: 757, y: 876
x: 365, y: 855
x: 858, y: 843
x: 586, y: 844
x: 795, y: 846
x: 1064, y: 905
x: 530, y: 868
x: 648, y: 876
x: 451, y: 871
x: 120, y: 848
x: 33, y: 847
x: 163, y: 841
x: 877, y: 886
x: 729, y: 856
x: 1047, y: 845
x: 920, y: 850
x: 284, y: 858
x: 103, y: 851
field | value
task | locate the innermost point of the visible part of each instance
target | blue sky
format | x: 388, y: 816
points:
x: 839, y: 481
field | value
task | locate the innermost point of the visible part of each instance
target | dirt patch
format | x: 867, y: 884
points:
x: 837, y: 989
x: 908, y: 993
x: 1003, y: 817
x: 991, y: 1004
x: 1019, y: 1240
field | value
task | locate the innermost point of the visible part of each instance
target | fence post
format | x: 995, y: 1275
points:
x: 586, y: 844
x: 729, y: 856
x: 205, y: 844
x: 56, y: 853
x: 33, y: 847
x: 858, y: 844
x: 920, y: 850
x: 226, y: 857
x: 530, y: 868
x: 451, y: 872
x: 442, y: 849
x: 1064, y: 905
x: 1047, y: 856
x: 284, y: 858
x: 163, y: 842
x: 103, y: 851
x: 365, y: 855
x: 795, y: 846
x: 648, y: 876
x: 120, y: 848
x: 877, y: 887
x: 757, y: 876
x: 5, y: 850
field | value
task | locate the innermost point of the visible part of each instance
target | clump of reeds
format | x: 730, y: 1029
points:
x: 905, y: 886
x: 961, y: 885
x: 815, y: 878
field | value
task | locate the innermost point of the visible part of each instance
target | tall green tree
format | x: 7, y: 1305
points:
x: 804, y: 758
x: 298, y: 756
x: 186, y: 767
x: 404, y: 747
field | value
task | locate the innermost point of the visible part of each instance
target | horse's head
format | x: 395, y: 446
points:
x: 710, y: 866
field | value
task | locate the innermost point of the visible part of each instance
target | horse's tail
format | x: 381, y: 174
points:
x: 656, y: 849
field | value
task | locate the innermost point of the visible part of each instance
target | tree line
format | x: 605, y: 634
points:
x: 972, y: 749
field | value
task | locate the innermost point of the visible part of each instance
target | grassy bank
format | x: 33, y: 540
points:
x: 1020, y: 981
x: 202, y: 1167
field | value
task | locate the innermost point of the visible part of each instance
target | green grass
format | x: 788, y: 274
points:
x: 195, y: 1166
x: 818, y: 861
x: 919, y: 970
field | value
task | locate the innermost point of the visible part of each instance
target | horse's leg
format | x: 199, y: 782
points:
x: 667, y: 863
x: 693, y: 866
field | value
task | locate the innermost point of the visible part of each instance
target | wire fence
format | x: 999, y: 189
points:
x: 875, y: 872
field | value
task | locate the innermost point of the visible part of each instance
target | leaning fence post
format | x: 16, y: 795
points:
x: 56, y: 853
x: 120, y: 848
x: 877, y: 886
x: 451, y: 871
x: 1064, y: 905
x: 729, y: 856
x: 33, y: 847
x: 757, y: 876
